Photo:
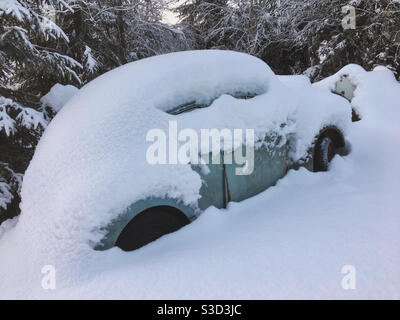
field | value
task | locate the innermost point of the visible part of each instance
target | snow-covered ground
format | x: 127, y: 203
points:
x: 290, y: 241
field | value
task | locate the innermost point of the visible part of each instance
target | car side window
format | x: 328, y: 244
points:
x: 186, y: 107
x: 192, y: 105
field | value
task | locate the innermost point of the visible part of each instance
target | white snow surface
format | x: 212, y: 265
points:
x: 297, y: 81
x: 8, y: 224
x: 58, y: 96
x: 290, y: 241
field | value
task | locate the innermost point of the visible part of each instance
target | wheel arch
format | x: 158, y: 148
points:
x: 334, y: 134
x: 117, y: 225
x: 328, y: 131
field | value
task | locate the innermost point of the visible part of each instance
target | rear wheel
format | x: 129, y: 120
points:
x: 150, y: 225
x: 324, y: 152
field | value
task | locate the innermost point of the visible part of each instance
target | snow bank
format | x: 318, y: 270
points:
x: 290, y: 242
x: 58, y: 96
x: 90, y: 163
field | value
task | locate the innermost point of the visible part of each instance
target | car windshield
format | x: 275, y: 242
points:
x: 189, y: 106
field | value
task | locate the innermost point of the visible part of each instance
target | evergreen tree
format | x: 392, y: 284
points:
x: 294, y: 36
x: 29, y: 63
x: 28, y: 47
x: 105, y: 34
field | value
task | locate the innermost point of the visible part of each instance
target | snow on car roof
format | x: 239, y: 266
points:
x: 295, y: 80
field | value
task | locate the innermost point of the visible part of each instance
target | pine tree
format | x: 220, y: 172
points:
x: 105, y: 34
x: 204, y: 20
x: 28, y: 46
x: 30, y: 63
x: 294, y: 36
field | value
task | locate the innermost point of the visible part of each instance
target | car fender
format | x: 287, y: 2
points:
x: 114, y: 229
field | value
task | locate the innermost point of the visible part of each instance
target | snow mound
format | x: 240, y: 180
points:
x: 304, y: 230
x: 366, y: 104
x: 90, y: 164
x: 58, y: 96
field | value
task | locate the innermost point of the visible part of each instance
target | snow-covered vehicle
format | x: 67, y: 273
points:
x: 90, y: 168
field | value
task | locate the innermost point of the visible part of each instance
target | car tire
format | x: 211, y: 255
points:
x: 324, y: 153
x: 150, y: 225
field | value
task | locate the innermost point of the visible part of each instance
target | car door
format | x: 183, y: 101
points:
x: 270, y: 164
x: 212, y: 189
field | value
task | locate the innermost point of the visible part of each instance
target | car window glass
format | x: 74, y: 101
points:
x: 192, y: 105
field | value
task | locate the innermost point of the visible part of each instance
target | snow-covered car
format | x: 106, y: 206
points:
x: 91, y: 173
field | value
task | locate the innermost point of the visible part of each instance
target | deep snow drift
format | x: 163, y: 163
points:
x: 291, y: 241
x: 90, y: 164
